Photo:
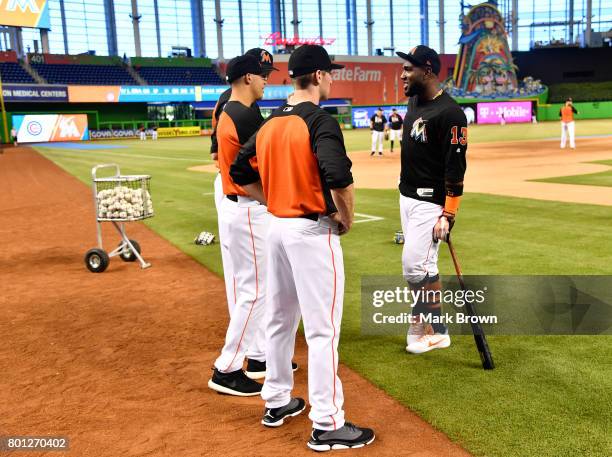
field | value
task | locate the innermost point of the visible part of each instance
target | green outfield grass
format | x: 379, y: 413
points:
x: 603, y: 178
x: 548, y: 396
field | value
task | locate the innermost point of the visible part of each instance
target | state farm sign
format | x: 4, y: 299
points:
x: 357, y: 74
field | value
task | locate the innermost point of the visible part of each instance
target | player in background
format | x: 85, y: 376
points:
x: 154, y: 134
x: 14, y: 136
x: 304, y: 176
x: 378, y: 125
x: 567, y: 124
x: 433, y: 165
x: 395, y: 124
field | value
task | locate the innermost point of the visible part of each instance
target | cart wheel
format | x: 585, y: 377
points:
x: 96, y: 260
x: 127, y: 255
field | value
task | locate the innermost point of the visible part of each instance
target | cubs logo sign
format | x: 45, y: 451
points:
x: 418, y: 132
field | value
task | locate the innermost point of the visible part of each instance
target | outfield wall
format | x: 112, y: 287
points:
x: 586, y: 110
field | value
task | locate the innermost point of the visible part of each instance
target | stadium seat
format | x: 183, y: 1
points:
x: 180, y: 76
x: 13, y: 73
x: 84, y: 74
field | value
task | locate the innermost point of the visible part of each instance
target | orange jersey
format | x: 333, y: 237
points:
x: 237, y: 123
x: 567, y: 113
x: 301, y: 156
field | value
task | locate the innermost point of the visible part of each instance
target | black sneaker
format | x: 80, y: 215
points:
x: 372, y: 153
x: 234, y: 383
x: 346, y: 437
x: 275, y: 417
x: 257, y: 370
x: 380, y: 153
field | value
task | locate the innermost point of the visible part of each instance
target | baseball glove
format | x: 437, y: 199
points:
x: 205, y: 238
x: 387, y: 135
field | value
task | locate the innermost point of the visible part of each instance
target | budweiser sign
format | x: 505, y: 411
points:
x: 275, y: 39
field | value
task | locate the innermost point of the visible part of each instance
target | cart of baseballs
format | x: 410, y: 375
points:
x: 118, y: 199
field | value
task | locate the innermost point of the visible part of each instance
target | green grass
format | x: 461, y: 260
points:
x: 602, y: 178
x: 549, y: 396
x: 360, y: 139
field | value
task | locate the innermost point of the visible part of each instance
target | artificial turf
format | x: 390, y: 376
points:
x: 548, y: 396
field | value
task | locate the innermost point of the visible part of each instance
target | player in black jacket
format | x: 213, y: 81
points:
x: 431, y: 184
x: 396, y: 124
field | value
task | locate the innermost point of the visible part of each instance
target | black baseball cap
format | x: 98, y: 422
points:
x: 309, y: 58
x: 242, y: 65
x: 422, y: 56
x: 265, y: 58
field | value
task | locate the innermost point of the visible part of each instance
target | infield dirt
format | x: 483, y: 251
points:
x: 118, y: 362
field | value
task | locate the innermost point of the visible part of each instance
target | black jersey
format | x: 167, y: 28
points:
x: 433, y: 149
x: 218, y: 109
x: 396, y: 121
x: 300, y: 157
x: 378, y: 122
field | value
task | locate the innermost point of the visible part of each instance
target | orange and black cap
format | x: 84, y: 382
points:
x: 422, y: 56
x: 242, y: 65
x: 265, y: 58
x: 309, y: 58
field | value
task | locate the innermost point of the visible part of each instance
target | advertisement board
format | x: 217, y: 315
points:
x: 165, y: 132
x: 34, y: 93
x: 361, y: 114
x: 160, y: 94
x: 38, y: 128
x: 513, y: 112
x: 25, y: 13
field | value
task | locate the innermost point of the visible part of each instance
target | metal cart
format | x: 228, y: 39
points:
x: 118, y: 199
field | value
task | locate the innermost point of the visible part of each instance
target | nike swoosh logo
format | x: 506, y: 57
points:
x: 430, y: 344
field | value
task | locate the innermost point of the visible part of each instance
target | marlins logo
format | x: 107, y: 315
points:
x: 418, y: 131
x: 265, y: 57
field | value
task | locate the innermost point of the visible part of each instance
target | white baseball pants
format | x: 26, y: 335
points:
x: 395, y: 135
x: 305, y: 276
x: 568, y: 129
x: 377, y: 139
x: 245, y: 335
x: 420, y: 253
x: 226, y: 211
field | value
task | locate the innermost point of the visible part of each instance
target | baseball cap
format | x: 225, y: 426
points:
x: 265, y: 58
x: 309, y: 58
x: 242, y: 65
x: 422, y: 56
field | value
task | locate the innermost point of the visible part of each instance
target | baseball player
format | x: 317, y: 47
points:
x: 304, y: 177
x: 396, y: 123
x: 247, y: 223
x: 378, y: 125
x: 229, y: 206
x: 14, y: 136
x: 433, y: 165
x: 154, y: 134
x: 567, y: 124
x: 143, y: 133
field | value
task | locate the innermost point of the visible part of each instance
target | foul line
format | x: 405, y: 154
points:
x: 367, y: 218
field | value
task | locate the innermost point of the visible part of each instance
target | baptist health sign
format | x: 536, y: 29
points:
x: 25, y: 13
x: 38, y: 128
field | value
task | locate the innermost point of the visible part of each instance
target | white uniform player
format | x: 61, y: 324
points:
x: 567, y: 124
x: 431, y: 183
x: 247, y: 222
x: 309, y: 192
x: 378, y: 125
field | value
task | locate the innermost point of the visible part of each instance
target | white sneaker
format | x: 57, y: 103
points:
x: 428, y: 342
x: 417, y: 331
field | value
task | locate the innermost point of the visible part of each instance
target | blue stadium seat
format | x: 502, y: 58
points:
x: 13, y: 73
x: 84, y: 74
x: 197, y: 76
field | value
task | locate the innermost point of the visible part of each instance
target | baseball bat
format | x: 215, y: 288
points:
x: 479, y: 337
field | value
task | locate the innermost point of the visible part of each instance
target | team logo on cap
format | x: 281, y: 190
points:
x: 418, y: 132
x: 265, y: 57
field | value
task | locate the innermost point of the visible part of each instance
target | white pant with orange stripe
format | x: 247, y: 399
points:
x: 226, y: 210
x: 247, y: 239
x: 305, y: 276
x: 420, y: 254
